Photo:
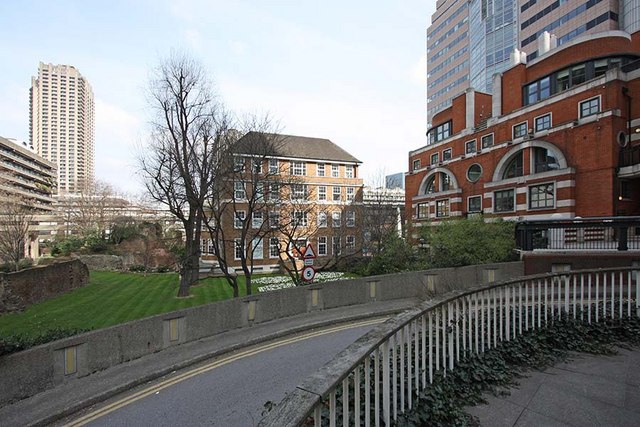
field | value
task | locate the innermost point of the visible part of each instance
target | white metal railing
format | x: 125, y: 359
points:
x: 385, y: 369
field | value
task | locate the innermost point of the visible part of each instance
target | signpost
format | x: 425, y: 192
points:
x: 308, y: 272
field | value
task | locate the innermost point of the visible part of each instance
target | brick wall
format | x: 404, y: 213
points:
x: 42, y: 283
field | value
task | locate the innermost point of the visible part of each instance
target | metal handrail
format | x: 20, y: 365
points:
x: 395, y: 362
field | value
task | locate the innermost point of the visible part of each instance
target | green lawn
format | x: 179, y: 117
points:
x: 112, y: 298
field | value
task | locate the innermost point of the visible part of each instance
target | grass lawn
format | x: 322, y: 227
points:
x: 111, y: 298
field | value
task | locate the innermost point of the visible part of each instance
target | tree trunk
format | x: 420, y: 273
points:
x: 248, y: 284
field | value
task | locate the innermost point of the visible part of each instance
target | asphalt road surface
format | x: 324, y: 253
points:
x: 229, y: 391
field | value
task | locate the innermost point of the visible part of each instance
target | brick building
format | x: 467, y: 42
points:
x: 558, y: 138
x: 299, y: 190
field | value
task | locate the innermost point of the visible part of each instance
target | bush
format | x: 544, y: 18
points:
x: 25, y: 263
x: 396, y: 256
x: 469, y: 241
x: 66, y: 246
x: 164, y: 269
x: 14, y: 343
x: 137, y: 268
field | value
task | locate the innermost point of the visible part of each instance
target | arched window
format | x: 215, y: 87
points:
x: 431, y: 185
x: 544, y: 160
x: 514, y: 167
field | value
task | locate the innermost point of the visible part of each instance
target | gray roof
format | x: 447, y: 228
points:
x: 301, y: 147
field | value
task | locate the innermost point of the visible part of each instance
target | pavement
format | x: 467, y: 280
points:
x: 585, y: 391
x: 54, y: 404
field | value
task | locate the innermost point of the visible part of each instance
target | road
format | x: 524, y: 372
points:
x: 227, y: 391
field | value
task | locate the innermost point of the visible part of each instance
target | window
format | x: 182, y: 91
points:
x: 544, y: 160
x: 350, y: 243
x: 336, y: 219
x: 474, y: 204
x: 435, y: 158
x: 298, y: 168
x: 590, y: 107
x: 273, y: 166
x: 238, y: 164
x: 258, y: 248
x: 351, y: 193
x: 274, y: 247
x: 351, y: 219
x: 487, y: 141
x: 238, y: 249
x: 541, y: 196
x: 431, y: 185
x: 578, y: 74
x: 336, y: 245
x: 207, y: 246
x: 543, y: 122
x: 322, y: 219
x: 322, y: 246
x: 259, y: 191
x: 299, y: 219
x: 320, y: 169
x: 446, y: 154
x: 257, y: 220
x: 416, y: 164
x: 538, y: 90
x: 504, y: 201
x: 445, y: 182
x: 256, y: 165
x: 442, y: 208
x: 238, y: 191
x: 274, y: 192
x: 349, y: 171
x: 322, y: 192
x: 625, y: 190
x: 298, y: 192
x: 514, y: 167
x: 239, y: 219
x: 335, y: 171
x: 438, y: 133
x: 470, y: 147
x: 474, y: 172
x: 274, y: 219
x: 520, y: 130
x: 423, y: 210
x: 336, y: 194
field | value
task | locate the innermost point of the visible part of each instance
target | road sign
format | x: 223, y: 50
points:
x: 308, y: 261
x: 308, y: 273
x: 308, y: 252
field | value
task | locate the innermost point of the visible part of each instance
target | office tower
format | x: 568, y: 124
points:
x: 469, y: 41
x: 61, y: 127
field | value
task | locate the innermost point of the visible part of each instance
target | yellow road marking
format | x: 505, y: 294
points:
x: 210, y: 366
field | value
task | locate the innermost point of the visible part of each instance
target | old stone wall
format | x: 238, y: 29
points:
x: 26, y: 287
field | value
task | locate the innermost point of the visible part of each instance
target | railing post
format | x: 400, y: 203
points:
x: 622, y: 238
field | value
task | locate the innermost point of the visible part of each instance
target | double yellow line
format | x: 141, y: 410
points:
x: 213, y: 365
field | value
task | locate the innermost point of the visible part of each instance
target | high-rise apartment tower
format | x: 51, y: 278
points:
x: 469, y: 41
x: 61, y: 124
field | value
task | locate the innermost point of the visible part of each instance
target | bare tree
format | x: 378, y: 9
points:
x: 180, y: 163
x: 16, y: 217
x: 92, y: 211
x: 382, y: 213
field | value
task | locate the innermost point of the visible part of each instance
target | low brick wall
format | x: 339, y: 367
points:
x: 39, y: 368
x: 41, y: 283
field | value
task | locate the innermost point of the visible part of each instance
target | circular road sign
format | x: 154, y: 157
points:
x: 308, y: 273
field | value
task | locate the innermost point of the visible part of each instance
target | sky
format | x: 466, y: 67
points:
x: 350, y: 71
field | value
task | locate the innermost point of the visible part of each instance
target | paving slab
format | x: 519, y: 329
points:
x: 589, y: 390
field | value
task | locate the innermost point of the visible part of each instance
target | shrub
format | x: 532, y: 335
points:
x: 19, y: 342
x: 137, y: 268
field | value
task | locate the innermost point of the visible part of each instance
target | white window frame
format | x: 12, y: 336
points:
x: 322, y: 246
x: 535, y: 122
x: 239, y: 192
x: 298, y: 192
x: 298, y: 168
x: 538, y: 184
x: 482, y: 139
x: 349, y: 171
x: 335, y: 171
x: 257, y: 249
x: 517, y: 125
x: 300, y: 218
x: 350, y: 245
x: 338, y: 194
x: 336, y: 219
x: 350, y: 193
x: 469, y: 203
x: 274, y: 167
x: 350, y: 218
x: 322, y: 192
x: 273, y: 246
x: 448, y: 202
x: 274, y: 192
x: 323, y: 222
x: 336, y: 248
x: 257, y: 219
x: 598, y: 98
x: 238, y: 218
x: 426, y: 205
x: 515, y: 201
x: 238, y: 164
x: 475, y: 147
x: 435, y: 159
x: 321, y: 169
x: 274, y: 219
x: 237, y: 245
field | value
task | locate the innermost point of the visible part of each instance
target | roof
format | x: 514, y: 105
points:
x: 300, y: 147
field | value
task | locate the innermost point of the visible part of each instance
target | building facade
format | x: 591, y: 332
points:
x: 301, y: 191
x: 559, y: 138
x: 61, y: 124
x: 468, y: 42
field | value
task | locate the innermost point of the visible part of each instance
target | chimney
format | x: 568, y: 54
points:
x: 546, y: 42
x: 515, y: 58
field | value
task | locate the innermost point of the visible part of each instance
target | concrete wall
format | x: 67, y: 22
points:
x: 546, y: 262
x: 41, y: 283
x: 48, y: 365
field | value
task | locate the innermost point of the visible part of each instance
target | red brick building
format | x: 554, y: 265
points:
x: 558, y: 138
